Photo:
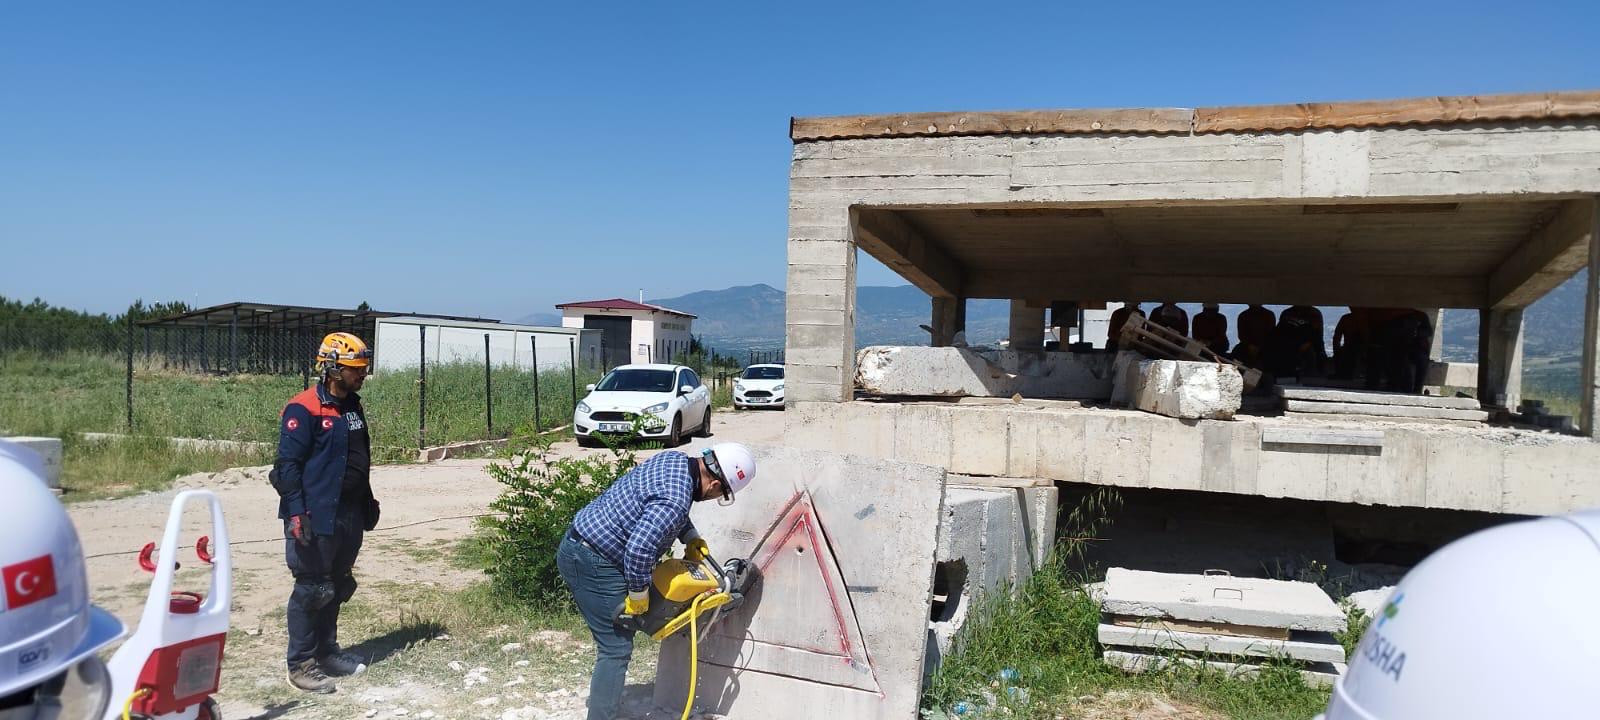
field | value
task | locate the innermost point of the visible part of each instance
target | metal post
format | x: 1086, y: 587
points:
x: 205, y: 329
x: 233, y: 342
x: 572, y: 348
x: 488, y: 391
x: 130, y: 373
x: 533, y: 340
x: 166, y: 348
x: 422, y: 386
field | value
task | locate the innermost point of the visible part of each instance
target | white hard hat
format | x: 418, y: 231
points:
x: 735, y: 464
x: 47, y: 625
x: 1494, y: 625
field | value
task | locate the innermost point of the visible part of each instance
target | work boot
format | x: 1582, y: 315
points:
x: 341, y: 664
x: 308, y: 677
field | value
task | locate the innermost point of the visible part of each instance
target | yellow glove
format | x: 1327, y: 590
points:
x: 637, y: 603
x: 696, y: 550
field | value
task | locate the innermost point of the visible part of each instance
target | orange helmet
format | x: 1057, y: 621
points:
x: 342, y: 348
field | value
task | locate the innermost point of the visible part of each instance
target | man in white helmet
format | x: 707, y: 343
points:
x: 615, y: 541
x: 1494, y: 625
x: 49, y: 633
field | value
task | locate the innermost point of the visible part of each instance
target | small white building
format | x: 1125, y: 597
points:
x: 631, y: 332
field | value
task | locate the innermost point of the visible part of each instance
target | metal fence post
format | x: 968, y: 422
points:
x: 130, y: 372
x: 533, y: 340
x: 488, y: 388
x: 572, y: 348
x: 422, y: 387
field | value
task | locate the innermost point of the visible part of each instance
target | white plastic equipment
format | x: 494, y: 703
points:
x: 1498, y: 624
x: 173, y: 663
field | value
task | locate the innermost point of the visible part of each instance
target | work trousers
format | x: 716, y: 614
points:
x: 322, y: 582
x: 598, y: 587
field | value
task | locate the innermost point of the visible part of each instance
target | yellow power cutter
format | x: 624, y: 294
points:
x: 680, y: 592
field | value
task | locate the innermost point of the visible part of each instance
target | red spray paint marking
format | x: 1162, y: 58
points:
x: 816, y: 551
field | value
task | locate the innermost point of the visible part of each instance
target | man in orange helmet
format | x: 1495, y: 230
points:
x: 322, y: 475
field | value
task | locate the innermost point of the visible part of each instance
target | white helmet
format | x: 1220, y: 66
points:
x: 1494, y: 625
x: 47, y: 625
x: 734, y: 464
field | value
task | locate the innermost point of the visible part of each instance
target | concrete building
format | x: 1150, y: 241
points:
x: 632, y: 332
x: 1475, y: 203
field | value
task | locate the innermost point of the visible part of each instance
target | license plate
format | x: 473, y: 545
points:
x: 753, y: 401
x: 615, y: 427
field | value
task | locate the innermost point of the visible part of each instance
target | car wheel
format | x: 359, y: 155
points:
x: 676, y: 437
x: 705, y: 426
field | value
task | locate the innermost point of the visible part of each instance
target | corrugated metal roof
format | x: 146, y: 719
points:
x: 622, y: 304
x: 1451, y: 110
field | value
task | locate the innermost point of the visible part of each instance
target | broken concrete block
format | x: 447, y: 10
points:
x: 1221, y: 599
x: 1317, y: 675
x: 930, y: 371
x: 49, y: 451
x: 1189, y: 390
x: 1451, y: 374
x: 1125, y: 377
x: 1310, y: 647
x: 963, y: 372
x: 838, y: 619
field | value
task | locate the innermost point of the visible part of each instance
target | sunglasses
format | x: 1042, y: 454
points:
x: 709, y: 459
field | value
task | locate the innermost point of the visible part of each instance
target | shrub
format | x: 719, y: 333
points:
x: 542, y: 494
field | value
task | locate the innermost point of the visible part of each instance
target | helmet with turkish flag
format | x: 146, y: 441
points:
x: 734, y: 465
x: 49, y: 633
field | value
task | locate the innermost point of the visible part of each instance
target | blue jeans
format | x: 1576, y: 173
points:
x: 598, y: 587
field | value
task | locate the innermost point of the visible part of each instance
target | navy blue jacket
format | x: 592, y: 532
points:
x: 313, y: 441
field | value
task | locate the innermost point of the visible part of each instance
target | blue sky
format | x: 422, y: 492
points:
x: 494, y: 159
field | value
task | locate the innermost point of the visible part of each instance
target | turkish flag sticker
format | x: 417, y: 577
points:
x: 327, y: 423
x: 292, y: 424
x: 29, y: 581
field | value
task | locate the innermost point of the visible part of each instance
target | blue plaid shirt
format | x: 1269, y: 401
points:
x: 636, y: 519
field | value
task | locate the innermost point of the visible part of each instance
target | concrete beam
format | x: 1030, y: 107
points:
x: 1500, y: 357
x: 1553, y: 253
x: 889, y: 238
x: 949, y: 318
x: 1589, y: 386
x: 1436, y: 321
x: 1307, y: 289
x: 1027, y: 326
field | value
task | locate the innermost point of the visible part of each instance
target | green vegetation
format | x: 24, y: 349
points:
x: 1046, y: 635
x: 95, y: 469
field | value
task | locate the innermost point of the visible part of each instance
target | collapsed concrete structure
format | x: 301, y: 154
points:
x: 1481, y: 203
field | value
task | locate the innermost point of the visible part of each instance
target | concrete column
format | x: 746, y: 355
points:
x: 1436, y: 319
x: 1500, y: 357
x: 1589, y: 385
x: 948, y: 319
x: 819, y: 314
x: 1027, y: 326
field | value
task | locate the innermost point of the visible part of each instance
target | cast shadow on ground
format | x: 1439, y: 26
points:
x: 377, y: 649
x: 271, y: 712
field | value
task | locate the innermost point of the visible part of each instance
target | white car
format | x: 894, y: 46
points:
x: 759, y: 386
x: 671, y: 399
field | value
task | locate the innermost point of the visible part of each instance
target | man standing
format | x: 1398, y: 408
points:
x: 614, y: 543
x: 322, y: 476
x: 1119, y: 318
x: 1211, y: 328
x: 1169, y: 315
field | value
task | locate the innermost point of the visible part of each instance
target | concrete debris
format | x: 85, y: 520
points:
x: 1316, y: 675
x: 1371, y: 601
x: 1254, y: 602
x: 486, y: 702
x: 1310, y: 647
x: 1189, y: 390
x: 509, y: 648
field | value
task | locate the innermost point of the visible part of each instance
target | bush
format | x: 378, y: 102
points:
x: 542, y: 495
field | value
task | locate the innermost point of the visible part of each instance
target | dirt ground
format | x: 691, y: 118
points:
x: 505, y: 672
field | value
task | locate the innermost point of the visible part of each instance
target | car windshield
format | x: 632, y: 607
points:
x: 763, y: 373
x: 633, y: 380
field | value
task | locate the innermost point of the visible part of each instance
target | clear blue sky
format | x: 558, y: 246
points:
x: 494, y: 159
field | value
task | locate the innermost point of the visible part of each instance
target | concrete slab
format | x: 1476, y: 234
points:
x: 1310, y: 647
x: 1189, y: 390
x: 49, y: 450
x: 839, y: 618
x: 1318, y: 675
x: 1402, y: 411
x: 964, y: 372
x: 1221, y: 598
x: 1451, y: 374
x: 1377, y: 398
x: 1332, y: 437
x: 1371, y: 601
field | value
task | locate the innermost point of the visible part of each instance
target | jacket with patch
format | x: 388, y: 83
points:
x: 313, y: 441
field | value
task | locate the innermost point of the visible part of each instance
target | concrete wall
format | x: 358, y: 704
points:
x: 398, y: 344
x: 829, y: 178
x: 1487, y: 469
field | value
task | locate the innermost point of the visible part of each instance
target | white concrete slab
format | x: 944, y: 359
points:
x: 49, y: 450
x: 1319, y: 675
x: 1377, y: 398
x: 1333, y: 437
x: 1221, y: 598
x: 1310, y: 647
x: 963, y: 372
x: 839, y: 619
x: 1399, y: 411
